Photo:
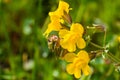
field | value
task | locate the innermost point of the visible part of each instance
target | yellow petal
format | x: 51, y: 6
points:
x: 68, y: 43
x: 69, y: 57
x: 83, y: 55
x: 49, y: 29
x: 53, y: 26
x: 70, y: 68
x: 86, y: 70
x: 71, y: 47
x: 53, y: 16
x: 63, y: 32
x: 76, y: 27
x: 81, y: 43
x: 77, y: 73
x: 63, y: 6
x: 118, y: 38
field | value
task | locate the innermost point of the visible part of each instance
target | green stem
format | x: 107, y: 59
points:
x: 109, y: 54
x: 104, y: 38
x: 97, y: 46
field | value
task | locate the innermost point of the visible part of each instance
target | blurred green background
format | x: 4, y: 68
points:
x: 24, y: 54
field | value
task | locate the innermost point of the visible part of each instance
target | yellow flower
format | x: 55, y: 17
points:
x: 69, y: 39
x: 78, y: 63
x: 118, y: 38
x: 63, y: 7
x: 56, y: 17
x: 69, y: 57
x: 53, y: 26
